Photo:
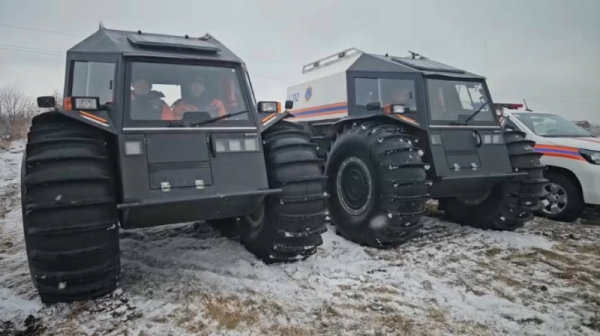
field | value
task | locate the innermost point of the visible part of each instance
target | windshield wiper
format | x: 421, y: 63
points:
x: 218, y: 118
x: 172, y: 124
x: 475, y: 113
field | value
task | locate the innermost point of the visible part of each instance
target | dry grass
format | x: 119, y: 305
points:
x: 555, y: 256
x: 437, y: 315
x: 230, y: 312
x: 4, y: 144
x: 399, y: 324
x: 286, y: 331
x: 590, y: 249
x: 490, y: 253
x: 8, y: 199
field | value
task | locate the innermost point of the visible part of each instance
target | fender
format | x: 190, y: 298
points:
x: 273, y: 118
x: 98, y: 119
x: 395, y: 118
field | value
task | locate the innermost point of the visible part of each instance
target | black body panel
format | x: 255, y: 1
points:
x: 181, y: 158
x: 188, y: 209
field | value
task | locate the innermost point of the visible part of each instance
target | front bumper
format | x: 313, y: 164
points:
x: 153, y: 213
x: 589, y: 178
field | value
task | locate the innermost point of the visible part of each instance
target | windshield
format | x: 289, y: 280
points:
x: 551, y: 125
x: 456, y: 101
x: 176, y: 91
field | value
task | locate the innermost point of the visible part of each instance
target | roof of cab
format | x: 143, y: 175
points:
x: 128, y: 43
x: 384, y: 63
x: 353, y: 59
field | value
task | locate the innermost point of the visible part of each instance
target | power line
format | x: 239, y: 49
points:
x: 75, y: 35
x: 55, y: 52
x: 39, y: 30
x: 29, y: 51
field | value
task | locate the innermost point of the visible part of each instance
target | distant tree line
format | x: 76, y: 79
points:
x: 16, y: 111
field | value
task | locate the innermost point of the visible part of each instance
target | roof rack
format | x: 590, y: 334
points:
x: 323, y: 62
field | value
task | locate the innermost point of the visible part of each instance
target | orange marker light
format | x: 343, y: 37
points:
x: 67, y: 104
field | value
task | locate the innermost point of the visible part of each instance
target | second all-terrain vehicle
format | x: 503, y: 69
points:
x: 398, y: 131
x: 154, y: 130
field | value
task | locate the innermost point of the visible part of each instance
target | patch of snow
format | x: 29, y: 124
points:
x: 379, y: 222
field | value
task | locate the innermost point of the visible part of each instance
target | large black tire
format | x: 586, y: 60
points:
x: 563, y: 200
x: 288, y: 226
x: 377, y: 182
x: 510, y: 204
x: 69, y: 213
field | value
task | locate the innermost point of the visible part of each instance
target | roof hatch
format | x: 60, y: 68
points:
x: 427, y: 65
x: 172, y: 42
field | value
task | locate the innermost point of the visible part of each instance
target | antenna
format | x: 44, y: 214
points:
x: 101, y: 26
x: 527, y: 107
x: 415, y: 55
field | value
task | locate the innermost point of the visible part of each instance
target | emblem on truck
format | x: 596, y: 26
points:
x: 308, y: 93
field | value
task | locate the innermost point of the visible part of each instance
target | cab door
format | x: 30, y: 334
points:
x: 465, y: 132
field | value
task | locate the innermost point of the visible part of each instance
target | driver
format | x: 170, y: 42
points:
x: 147, y: 104
x: 195, y: 99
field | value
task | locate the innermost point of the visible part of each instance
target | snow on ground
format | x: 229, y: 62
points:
x: 187, y: 280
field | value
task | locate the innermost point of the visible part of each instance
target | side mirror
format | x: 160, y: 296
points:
x: 268, y: 107
x: 46, y: 102
x: 373, y: 106
x: 289, y: 104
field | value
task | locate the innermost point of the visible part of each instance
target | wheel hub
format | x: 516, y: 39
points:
x: 555, y: 200
x: 354, y: 186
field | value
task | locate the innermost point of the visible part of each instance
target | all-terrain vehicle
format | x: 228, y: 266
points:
x: 398, y: 131
x: 154, y: 130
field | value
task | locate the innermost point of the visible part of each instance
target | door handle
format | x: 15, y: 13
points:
x: 477, y: 138
x: 211, y: 144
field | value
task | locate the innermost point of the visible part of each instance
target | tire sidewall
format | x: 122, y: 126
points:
x: 349, y: 145
x: 574, y: 199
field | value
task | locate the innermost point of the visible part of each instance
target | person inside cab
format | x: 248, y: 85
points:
x: 195, y: 98
x: 147, y: 104
x: 402, y: 96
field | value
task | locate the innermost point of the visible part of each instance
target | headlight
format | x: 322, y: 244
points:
x: 590, y: 156
x: 236, y: 145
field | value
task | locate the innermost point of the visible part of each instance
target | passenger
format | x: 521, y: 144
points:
x: 147, y: 104
x: 195, y: 99
x: 402, y: 96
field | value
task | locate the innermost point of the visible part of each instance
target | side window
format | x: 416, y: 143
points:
x: 385, y: 91
x: 367, y: 91
x: 93, y: 79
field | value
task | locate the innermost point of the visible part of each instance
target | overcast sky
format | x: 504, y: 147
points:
x: 546, y: 51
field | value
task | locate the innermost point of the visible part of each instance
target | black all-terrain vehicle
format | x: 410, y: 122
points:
x: 154, y: 130
x: 396, y: 132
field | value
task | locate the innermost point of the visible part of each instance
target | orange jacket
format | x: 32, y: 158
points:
x: 180, y: 107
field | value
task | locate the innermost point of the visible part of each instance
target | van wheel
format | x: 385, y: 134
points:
x: 288, y: 226
x: 377, y: 185
x: 69, y: 210
x: 563, y: 201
